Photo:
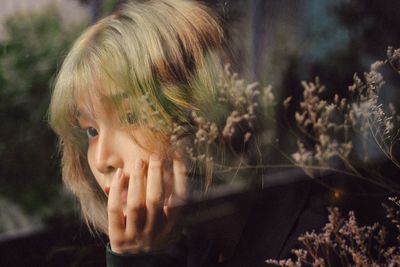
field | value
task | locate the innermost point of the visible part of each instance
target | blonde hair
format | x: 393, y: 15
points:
x: 162, y: 54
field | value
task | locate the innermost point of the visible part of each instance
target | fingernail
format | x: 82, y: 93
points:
x: 138, y: 164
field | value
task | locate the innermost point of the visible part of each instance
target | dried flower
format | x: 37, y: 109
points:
x: 343, y: 240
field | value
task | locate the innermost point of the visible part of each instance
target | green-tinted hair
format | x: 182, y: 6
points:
x: 161, y: 55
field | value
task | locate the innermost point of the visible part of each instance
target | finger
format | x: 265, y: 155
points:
x: 155, y: 188
x: 180, y: 179
x: 116, y: 221
x: 136, y: 207
x: 179, y: 196
x: 154, y: 195
x: 168, y: 180
x: 169, y: 210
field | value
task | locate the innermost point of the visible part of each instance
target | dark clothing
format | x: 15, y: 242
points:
x: 276, y: 218
x: 167, y: 258
x: 270, y: 225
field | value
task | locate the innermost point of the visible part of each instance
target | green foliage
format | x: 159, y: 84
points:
x: 29, y: 58
x: 107, y: 6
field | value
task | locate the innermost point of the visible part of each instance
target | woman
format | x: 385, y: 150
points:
x: 125, y: 82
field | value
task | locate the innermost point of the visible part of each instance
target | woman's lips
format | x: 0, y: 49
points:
x: 107, y: 191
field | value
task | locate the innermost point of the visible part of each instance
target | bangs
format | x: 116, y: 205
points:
x: 75, y: 83
x: 85, y: 84
x: 135, y: 62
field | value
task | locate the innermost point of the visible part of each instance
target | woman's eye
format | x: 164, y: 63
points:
x: 130, y: 118
x: 91, y: 132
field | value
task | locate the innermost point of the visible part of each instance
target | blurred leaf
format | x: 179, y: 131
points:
x: 29, y: 59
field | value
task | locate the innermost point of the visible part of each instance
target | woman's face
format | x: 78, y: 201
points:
x: 110, y: 145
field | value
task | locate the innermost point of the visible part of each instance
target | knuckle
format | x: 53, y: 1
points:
x: 113, y: 209
x: 180, y: 172
x: 155, y: 168
x: 117, y: 239
x: 153, y: 202
x: 135, y: 208
x: 131, y: 235
x: 147, y: 232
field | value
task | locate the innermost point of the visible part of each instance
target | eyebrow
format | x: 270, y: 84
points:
x: 83, y: 115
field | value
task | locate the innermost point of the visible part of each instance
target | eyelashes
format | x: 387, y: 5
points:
x: 130, y: 118
x: 92, y: 132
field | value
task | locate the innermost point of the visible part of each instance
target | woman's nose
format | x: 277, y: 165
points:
x: 108, y: 157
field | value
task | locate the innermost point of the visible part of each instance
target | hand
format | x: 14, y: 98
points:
x: 148, y: 219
